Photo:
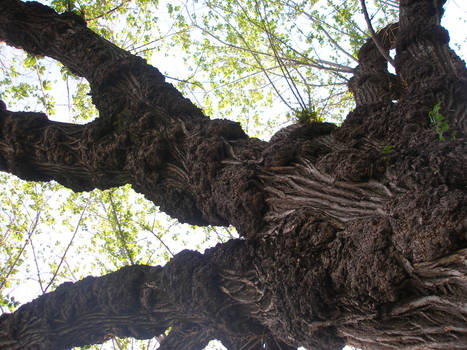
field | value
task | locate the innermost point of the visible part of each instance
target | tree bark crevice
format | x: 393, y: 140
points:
x: 351, y: 235
x: 143, y: 302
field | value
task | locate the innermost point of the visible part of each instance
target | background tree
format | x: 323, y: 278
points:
x: 323, y: 187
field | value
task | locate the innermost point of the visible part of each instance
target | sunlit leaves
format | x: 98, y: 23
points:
x: 25, y: 80
x: 26, y: 210
x: 300, y: 52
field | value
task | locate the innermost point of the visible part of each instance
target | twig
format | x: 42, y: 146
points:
x: 151, y: 229
x: 68, y: 246
x: 42, y: 87
x: 108, y: 12
x: 68, y: 97
x: 122, y: 238
x: 30, y: 233
x: 37, y: 268
x: 285, y: 72
x: 374, y: 37
x: 319, y: 64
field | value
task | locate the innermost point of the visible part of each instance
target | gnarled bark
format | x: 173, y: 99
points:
x: 345, y: 241
x: 139, y: 301
x: 146, y: 128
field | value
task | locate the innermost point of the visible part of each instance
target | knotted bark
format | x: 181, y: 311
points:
x: 353, y: 234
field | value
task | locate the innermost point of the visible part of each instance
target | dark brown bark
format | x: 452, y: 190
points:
x: 344, y: 241
x: 147, y: 129
x: 143, y: 302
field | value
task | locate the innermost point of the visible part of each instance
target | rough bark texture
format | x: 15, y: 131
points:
x: 343, y: 242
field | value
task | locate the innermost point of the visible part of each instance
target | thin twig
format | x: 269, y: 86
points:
x: 7, y: 70
x: 319, y: 64
x: 37, y: 268
x: 163, y: 37
x: 122, y: 237
x: 151, y: 229
x: 218, y: 235
x: 68, y: 246
x: 68, y: 97
x: 108, y: 12
x: 114, y: 340
x: 46, y: 104
x: 331, y: 39
x: 285, y: 72
x: 255, y: 57
x: 374, y: 37
x: 70, y: 270
x: 391, y: 3
x: 30, y: 233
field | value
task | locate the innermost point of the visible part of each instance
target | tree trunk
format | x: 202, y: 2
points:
x: 353, y: 235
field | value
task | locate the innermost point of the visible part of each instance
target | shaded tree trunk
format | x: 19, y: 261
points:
x: 343, y: 240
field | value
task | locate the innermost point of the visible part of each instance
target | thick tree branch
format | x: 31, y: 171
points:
x: 188, y: 295
x: 37, y: 149
x: 68, y: 316
x: 39, y: 30
x: 372, y: 83
x: 432, y: 72
x: 148, y: 134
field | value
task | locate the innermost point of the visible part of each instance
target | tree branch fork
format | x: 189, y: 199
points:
x: 332, y: 254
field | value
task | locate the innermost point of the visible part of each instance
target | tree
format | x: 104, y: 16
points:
x: 353, y: 234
